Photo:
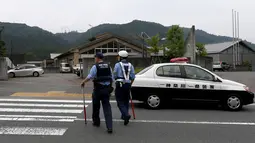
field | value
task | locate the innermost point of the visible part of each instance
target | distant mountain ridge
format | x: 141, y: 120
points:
x: 40, y: 43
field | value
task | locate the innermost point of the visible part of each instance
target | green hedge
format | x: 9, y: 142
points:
x: 138, y: 70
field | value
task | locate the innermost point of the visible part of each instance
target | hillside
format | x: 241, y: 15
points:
x: 136, y: 27
x: 38, y: 43
x: 33, y: 40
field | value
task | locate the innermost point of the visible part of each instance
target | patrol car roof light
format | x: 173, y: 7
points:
x: 246, y: 88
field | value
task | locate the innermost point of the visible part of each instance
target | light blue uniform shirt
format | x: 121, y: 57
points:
x: 93, y: 73
x: 118, y: 73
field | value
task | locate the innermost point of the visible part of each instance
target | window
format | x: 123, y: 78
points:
x: 104, y: 51
x: 98, y: 50
x: 169, y: 71
x: 30, y: 67
x: 145, y: 70
x: 197, y: 73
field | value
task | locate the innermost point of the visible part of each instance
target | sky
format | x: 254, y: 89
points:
x: 212, y: 16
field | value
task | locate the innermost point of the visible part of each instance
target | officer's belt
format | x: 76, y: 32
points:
x: 122, y: 80
x: 98, y: 85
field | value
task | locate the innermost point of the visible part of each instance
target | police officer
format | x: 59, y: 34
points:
x: 102, y: 77
x: 124, y: 76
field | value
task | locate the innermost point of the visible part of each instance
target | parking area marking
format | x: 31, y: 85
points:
x: 50, y: 94
x: 32, y: 131
x: 181, y: 122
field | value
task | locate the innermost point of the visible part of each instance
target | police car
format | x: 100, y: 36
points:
x: 162, y: 83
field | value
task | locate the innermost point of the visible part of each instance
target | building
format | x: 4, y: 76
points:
x: 224, y: 52
x: 109, y: 45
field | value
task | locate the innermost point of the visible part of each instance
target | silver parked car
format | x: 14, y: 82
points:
x: 26, y: 70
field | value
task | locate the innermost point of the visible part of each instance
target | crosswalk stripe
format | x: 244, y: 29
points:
x: 43, y: 100
x: 39, y: 116
x: 37, y: 119
x: 43, y: 105
x: 40, y: 110
x: 32, y: 131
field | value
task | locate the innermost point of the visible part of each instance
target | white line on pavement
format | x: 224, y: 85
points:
x: 40, y: 110
x: 43, y: 105
x: 37, y: 119
x: 43, y: 100
x: 32, y: 131
x: 181, y: 122
x: 38, y: 116
x: 55, y: 100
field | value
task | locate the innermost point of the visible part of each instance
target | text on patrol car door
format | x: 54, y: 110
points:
x: 200, y: 83
x: 170, y: 81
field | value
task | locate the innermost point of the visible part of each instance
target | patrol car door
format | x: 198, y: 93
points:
x: 200, y: 84
x: 170, y: 81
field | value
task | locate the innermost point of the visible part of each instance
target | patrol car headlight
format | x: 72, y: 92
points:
x: 246, y: 88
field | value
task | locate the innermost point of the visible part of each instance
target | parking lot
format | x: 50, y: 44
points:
x: 179, y: 123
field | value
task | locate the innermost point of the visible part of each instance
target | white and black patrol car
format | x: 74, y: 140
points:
x: 161, y: 83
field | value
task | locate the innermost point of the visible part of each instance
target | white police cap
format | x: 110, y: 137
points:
x: 123, y: 53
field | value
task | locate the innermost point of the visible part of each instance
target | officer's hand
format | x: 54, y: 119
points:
x: 82, y: 84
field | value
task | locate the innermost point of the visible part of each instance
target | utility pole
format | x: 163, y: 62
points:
x: 90, y: 30
x: 1, y: 42
x: 11, y: 54
x: 234, y: 38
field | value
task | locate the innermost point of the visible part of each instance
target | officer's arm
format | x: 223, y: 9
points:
x: 112, y: 75
x: 91, y: 75
x: 132, y: 74
x: 115, y: 71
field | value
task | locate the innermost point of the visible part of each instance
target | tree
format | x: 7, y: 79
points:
x: 201, y: 51
x: 2, y: 49
x: 154, y: 47
x: 175, y: 42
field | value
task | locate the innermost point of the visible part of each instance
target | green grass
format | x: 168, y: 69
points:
x: 137, y: 70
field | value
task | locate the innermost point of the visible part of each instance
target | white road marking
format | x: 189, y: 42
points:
x: 37, y: 119
x: 53, y: 100
x: 38, y: 116
x: 43, y: 100
x: 43, y: 105
x: 32, y: 131
x: 181, y: 122
x: 40, y: 110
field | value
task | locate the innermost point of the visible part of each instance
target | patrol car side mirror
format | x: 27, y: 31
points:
x: 216, y: 79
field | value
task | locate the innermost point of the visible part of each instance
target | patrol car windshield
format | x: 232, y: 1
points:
x: 65, y: 65
x: 145, y: 70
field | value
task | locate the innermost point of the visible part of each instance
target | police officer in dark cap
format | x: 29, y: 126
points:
x: 102, y: 76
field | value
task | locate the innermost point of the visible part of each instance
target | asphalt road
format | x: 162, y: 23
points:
x: 69, y: 83
x: 51, y: 120
x: 29, y: 120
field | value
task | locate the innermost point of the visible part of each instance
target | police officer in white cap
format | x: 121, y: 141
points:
x: 124, y: 75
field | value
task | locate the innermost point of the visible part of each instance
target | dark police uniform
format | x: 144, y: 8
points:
x: 123, y: 74
x: 102, y: 78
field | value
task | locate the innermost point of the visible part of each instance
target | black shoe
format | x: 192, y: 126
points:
x: 126, y: 121
x: 109, y: 131
x: 122, y: 117
x: 96, y: 124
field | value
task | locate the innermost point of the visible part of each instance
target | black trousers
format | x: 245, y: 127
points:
x: 102, y: 95
x: 122, y: 94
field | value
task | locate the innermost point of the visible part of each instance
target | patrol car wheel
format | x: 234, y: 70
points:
x: 153, y: 101
x: 233, y: 103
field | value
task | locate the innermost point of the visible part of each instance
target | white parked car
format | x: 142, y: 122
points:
x: 164, y: 83
x: 65, y: 68
x: 26, y: 70
x: 77, y: 67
